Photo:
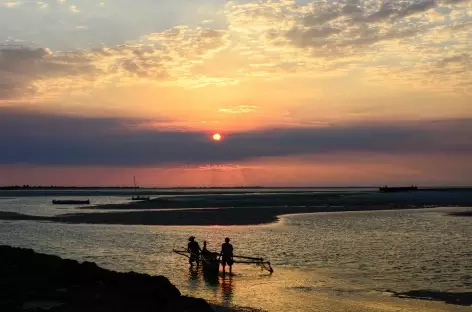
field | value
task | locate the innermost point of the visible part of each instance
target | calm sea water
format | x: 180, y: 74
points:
x: 323, y: 262
x: 39, y: 202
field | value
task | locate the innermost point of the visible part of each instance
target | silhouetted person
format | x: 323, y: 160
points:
x: 194, y: 249
x: 226, y: 255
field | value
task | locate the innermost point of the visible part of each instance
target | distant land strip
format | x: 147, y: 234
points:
x: 55, y: 187
x: 195, y: 217
x: 58, y: 187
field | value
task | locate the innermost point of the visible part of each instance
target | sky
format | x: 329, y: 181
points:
x: 304, y: 93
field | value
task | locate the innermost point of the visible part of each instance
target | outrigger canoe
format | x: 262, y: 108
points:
x: 212, y: 262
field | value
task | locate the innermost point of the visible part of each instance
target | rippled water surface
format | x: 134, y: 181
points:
x: 323, y: 262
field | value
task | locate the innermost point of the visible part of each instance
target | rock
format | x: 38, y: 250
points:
x: 32, y: 281
x: 457, y: 298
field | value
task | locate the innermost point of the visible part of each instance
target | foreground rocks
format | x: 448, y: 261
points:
x: 462, y: 214
x: 30, y: 281
x: 461, y: 298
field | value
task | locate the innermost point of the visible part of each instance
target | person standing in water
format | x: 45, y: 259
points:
x: 227, y: 255
x: 194, y: 249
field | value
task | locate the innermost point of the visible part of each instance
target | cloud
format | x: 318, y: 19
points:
x: 74, y: 8
x: 45, y: 74
x: 18, y: 68
x: 11, y: 4
x: 241, y: 109
x: 260, y: 41
x: 456, y: 59
x: 350, y: 24
x: 42, y: 4
x: 39, y: 139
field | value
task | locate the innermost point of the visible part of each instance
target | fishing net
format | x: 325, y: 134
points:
x: 265, y: 266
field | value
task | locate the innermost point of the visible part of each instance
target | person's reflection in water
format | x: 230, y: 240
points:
x: 210, y: 270
x: 193, y: 277
x: 211, y: 281
x: 210, y: 277
x: 227, y: 289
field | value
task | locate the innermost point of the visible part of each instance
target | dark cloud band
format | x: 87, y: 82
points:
x: 30, y: 138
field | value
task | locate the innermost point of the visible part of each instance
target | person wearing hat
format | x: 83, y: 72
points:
x: 194, y: 250
x: 226, y: 255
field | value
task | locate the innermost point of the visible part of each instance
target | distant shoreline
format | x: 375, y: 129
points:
x: 28, y: 187
x: 84, y: 193
x: 54, y: 187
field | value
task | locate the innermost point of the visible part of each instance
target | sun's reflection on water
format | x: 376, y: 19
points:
x: 332, y: 262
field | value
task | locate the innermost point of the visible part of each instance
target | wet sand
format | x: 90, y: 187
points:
x: 369, y: 199
x: 222, y: 216
x: 249, y: 209
x: 462, y: 214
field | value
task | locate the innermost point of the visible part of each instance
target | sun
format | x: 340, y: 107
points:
x: 217, y: 137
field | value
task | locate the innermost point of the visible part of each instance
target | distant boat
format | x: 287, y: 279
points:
x: 138, y: 197
x: 70, y: 202
x: 386, y: 189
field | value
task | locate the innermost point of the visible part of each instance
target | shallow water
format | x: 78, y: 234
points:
x: 39, y: 202
x: 323, y: 262
x: 42, y: 205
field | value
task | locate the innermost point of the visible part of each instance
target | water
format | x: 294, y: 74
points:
x: 42, y: 205
x: 39, y: 202
x: 323, y: 262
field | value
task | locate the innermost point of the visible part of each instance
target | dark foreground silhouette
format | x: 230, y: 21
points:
x: 39, y: 282
x: 462, y: 214
x: 458, y: 298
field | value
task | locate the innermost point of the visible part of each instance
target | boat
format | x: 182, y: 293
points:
x: 211, y: 263
x: 70, y: 202
x: 386, y: 189
x: 138, y: 197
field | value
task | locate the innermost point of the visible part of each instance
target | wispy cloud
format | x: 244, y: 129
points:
x: 167, y: 57
x: 241, y: 109
x: 11, y: 4
x: 313, y: 77
x: 267, y: 40
x: 74, y: 8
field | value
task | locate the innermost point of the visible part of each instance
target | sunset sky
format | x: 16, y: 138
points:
x: 304, y: 93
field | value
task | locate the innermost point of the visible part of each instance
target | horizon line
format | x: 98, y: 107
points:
x: 26, y: 186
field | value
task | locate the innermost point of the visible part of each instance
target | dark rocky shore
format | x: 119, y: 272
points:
x: 32, y: 281
x: 462, y: 214
x: 461, y: 298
